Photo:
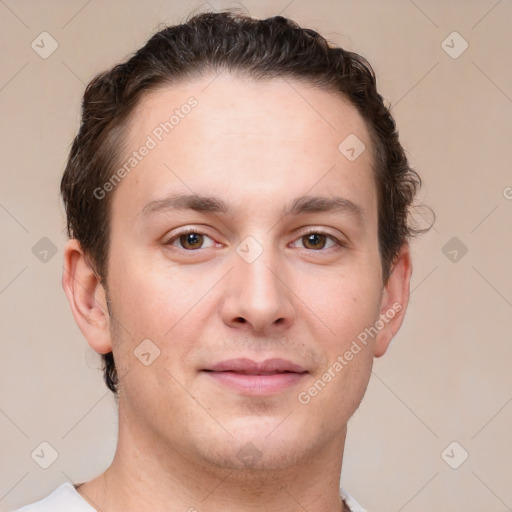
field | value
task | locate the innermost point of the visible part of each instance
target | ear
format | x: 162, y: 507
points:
x: 87, y: 298
x: 395, y: 298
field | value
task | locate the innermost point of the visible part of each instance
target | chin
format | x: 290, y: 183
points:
x: 258, y: 444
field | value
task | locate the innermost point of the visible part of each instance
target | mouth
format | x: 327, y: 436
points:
x: 256, y: 378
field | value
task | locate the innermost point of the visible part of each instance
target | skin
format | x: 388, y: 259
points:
x: 257, y: 145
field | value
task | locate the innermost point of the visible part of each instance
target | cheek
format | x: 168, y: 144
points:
x: 147, y: 298
x: 338, y: 388
x: 158, y: 304
x: 348, y: 304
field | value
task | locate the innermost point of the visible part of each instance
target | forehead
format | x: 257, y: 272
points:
x: 228, y: 102
x: 247, y: 139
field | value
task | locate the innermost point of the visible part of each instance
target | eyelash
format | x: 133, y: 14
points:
x: 188, y: 231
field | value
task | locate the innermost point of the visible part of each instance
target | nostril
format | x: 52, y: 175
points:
x: 240, y: 320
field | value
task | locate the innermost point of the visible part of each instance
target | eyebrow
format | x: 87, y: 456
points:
x: 208, y: 204
x: 314, y: 204
x: 212, y: 204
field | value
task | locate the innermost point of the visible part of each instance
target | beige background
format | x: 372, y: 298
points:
x: 447, y: 375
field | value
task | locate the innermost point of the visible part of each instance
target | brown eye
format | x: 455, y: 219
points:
x: 191, y: 240
x: 314, y: 241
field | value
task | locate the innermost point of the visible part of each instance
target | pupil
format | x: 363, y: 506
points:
x: 192, y: 239
x: 314, y: 239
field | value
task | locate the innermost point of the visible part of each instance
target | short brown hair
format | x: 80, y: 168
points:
x: 261, y: 49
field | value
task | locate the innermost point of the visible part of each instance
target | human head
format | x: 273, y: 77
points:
x: 258, y: 49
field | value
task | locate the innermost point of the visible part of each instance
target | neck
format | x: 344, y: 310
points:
x: 148, y: 474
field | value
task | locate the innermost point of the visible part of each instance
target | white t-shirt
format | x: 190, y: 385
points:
x: 66, y: 499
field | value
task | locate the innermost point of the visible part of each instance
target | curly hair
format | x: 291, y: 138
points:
x: 227, y: 41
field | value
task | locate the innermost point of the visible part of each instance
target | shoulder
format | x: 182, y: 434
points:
x: 350, y: 502
x: 63, y: 499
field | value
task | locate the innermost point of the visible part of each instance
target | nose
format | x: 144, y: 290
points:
x: 258, y: 299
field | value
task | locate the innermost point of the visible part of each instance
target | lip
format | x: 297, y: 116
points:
x: 250, y: 367
x: 257, y: 378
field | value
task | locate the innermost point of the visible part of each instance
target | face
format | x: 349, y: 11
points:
x: 244, y: 272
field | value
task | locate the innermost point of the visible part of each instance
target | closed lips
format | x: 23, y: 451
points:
x: 246, y: 366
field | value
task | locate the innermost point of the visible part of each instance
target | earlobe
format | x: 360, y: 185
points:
x: 395, y: 299
x: 86, y: 297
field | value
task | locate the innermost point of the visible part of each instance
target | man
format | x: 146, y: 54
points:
x: 237, y: 203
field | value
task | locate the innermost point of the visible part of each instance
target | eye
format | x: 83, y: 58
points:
x: 190, y: 240
x: 317, y: 240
